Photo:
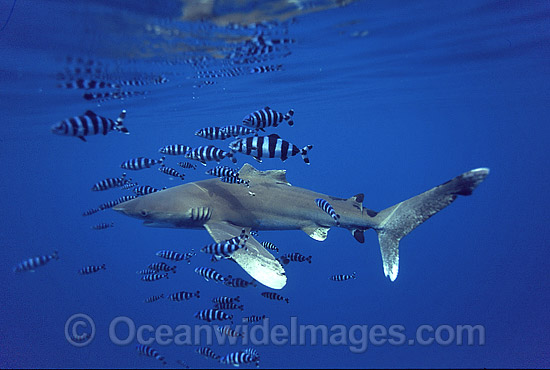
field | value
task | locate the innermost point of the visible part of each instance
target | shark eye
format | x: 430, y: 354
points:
x: 144, y: 213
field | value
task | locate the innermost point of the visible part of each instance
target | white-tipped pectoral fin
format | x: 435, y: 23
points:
x: 318, y: 233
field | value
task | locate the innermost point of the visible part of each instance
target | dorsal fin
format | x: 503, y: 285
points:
x: 274, y: 136
x: 247, y: 172
x: 90, y: 113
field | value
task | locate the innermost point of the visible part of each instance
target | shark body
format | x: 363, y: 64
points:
x: 272, y: 203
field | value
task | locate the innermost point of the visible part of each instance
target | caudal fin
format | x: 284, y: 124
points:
x: 288, y: 117
x: 306, y: 149
x: 119, y: 126
x: 399, y: 220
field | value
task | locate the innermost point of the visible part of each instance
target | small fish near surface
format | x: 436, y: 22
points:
x: 253, y: 318
x: 102, y: 226
x: 89, y: 124
x: 183, y: 296
x: 342, y: 277
x: 271, y: 146
x: 91, y: 269
x: 267, y: 117
x: 31, y: 264
x: 211, y: 314
x: 140, y: 163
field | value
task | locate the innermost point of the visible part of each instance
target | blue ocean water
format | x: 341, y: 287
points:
x: 395, y: 97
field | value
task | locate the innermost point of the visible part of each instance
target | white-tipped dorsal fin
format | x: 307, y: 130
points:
x: 247, y: 172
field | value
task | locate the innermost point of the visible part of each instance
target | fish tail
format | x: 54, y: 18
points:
x: 103, y: 267
x: 237, y: 298
x: 119, y: 126
x: 288, y: 117
x: 161, y: 161
x: 197, y: 294
x: 395, y: 222
x: 309, y: 259
x: 305, y: 149
x: 232, y: 157
x: 55, y: 255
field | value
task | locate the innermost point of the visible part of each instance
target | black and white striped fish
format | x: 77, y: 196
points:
x: 113, y: 203
x: 210, y: 274
x: 31, y: 263
x: 207, y: 352
x: 187, y: 165
x: 150, y: 352
x: 238, y: 282
x: 228, y: 331
x: 212, y: 133
x: 235, y: 180
x: 175, y: 149
x: 89, y: 124
x: 140, y: 163
x: 264, y: 69
x: 342, y: 277
x: 129, y: 185
x: 87, y: 84
x: 171, y: 171
x: 102, y: 226
x: 162, y: 266
x: 237, y: 130
x: 144, y: 190
x: 91, y: 211
x: 154, y: 298
x: 154, y: 277
x: 176, y: 256
x: 91, y: 269
x: 223, y: 171
x: 146, y: 272
x: 228, y: 306
x: 270, y: 246
x: 237, y: 358
x: 294, y: 257
x: 253, y: 318
x: 275, y: 296
x: 111, y: 182
x: 267, y: 117
x: 252, y: 352
x: 109, y: 95
x: 271, y: 146
x: 224, y: 299
x: 228, y: 247
x: 204, y: 154
x: 325, y: 206
x: 212, y: 314
x: 183, y: 295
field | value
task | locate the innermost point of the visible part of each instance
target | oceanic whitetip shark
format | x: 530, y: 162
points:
x: 272, y: 203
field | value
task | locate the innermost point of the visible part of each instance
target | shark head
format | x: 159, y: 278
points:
x: 162, y: 209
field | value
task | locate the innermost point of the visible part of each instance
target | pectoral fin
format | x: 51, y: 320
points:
x: 255, y: 259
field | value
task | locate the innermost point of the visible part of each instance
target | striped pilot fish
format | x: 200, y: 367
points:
x: 237, y: 358
x: 267, y: 117
x: 153, y: 277
x: 223, y: 171
x: 270, y: 246
x: 91, y: 269
x: 144, y: 190
x: 342, y: 277
x: 34, y: 262
x: 171, y: 171
x: 187, y: 165
x: 154, y: 298
x: 204, y: 154
x: 175, y: 149
x: 89, y: 124
x: 183, y: 296
x: 325, y: 206
x: 150, y: 352
x: 235, y: 180
x: 237, y: 130
x: 91, y: 211
x: 176, y: 256
x: 140, y: 163
x: 207, y: 352
x: 212, y: 314
x: 224, y: 299
x: 161, y: 266
x: 271, y: 146
x: 102, y: 226
x: 111, y: 182
x: 113, y: 203
x: 146, y: 272
x: 252, y: 352
x: 294, y: 257
x: 228, y: 331
x: 238, y: 282
x: 253, y: 318
x: 275, y: 296
x: 228, y: 247
x: 210, y: 274
x: 228, y: 306
x: 212, y: 133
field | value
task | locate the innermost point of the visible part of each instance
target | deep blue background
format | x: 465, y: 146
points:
x: 430, y: 91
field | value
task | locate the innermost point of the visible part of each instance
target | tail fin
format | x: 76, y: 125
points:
x: 288, y: 117
x: 198, y: 294
x: 305, y: 149
x: 55, y: 255
x: 399, y: 220
x: 103, y: 267
x: 237, y: 298
x: 119, y: 126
